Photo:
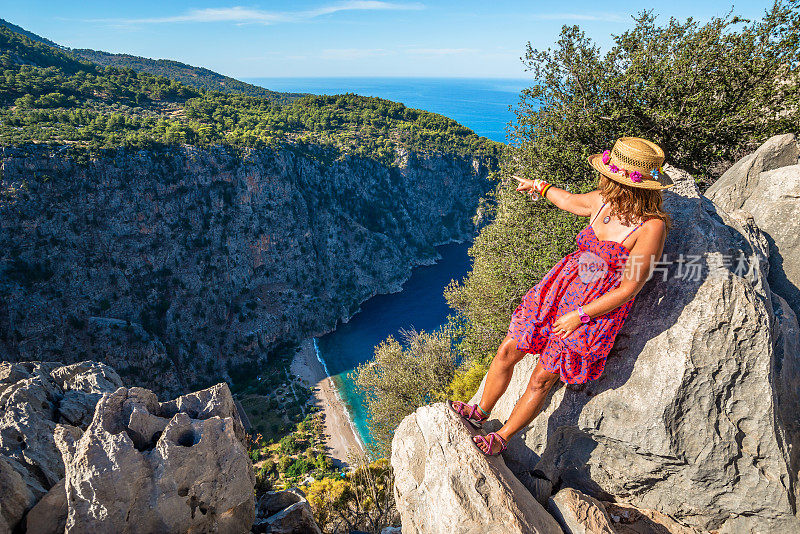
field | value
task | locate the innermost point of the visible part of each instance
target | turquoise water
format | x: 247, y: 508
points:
x: 419, y: 305
x: 477, y: 103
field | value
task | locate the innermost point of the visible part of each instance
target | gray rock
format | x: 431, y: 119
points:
x: 49, y: 516
x: 17, y: 498
x: 124, y: 475
x: 579, y: 514
x: 87, y: 376
x: 628, y: 519
x: 34, y: 398
x: 285, y: 512
x: 392, y: 530
x: 695, y: 414
x: 775, y: 206
x: 77, y: 408
x: 736, y: 185
x: 11, y: 373
x: 26, y: 437
x: 216, y: 400
x: 444, y: 484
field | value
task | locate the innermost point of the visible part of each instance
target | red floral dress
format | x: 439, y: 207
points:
x: 579, y: 278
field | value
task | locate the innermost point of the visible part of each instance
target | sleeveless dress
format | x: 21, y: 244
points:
x: 592, y: 270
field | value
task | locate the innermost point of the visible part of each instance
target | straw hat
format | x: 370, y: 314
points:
x: 633, y: 161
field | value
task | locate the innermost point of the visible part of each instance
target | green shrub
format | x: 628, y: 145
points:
x: 400, y: 379
x: 298, y: 467
x: 289, y: 444
x: 284, y: 463
x: 707, y: 93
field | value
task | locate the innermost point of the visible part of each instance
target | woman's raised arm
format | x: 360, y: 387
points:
x: 580, y: 204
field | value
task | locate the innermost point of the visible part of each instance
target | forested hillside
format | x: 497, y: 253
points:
x: 197, y: 77
x: 50, y: 95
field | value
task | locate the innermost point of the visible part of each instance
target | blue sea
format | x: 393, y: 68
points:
x: 483, y: 106
x: 479, y: 104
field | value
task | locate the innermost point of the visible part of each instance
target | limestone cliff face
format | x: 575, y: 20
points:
x: 176, y: 266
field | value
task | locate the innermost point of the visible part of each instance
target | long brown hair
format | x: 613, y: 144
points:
x: 632, y: 204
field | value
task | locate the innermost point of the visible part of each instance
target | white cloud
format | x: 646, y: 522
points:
x: 244, y: 15
x: 362, y: 5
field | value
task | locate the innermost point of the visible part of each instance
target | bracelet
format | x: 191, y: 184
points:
x: 544, y: 191
x: 539, y: 186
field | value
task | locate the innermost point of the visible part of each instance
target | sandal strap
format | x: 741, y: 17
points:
x: 489, y: 442
x: 460, y: 408
x: 476, y: 410
x: 503, y: 442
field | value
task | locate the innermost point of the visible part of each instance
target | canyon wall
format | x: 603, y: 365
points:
x: 181, y: 266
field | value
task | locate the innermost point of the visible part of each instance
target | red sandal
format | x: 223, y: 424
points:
x: 489, y: 442
x: 472, y: 413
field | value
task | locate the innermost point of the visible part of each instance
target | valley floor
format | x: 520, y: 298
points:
x: 343, y: 444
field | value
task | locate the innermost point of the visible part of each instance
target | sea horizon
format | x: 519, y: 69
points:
x: 481, y: 104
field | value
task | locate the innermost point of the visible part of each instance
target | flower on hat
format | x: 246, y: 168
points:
x: 613, y: 168
x: 606, y: 156
x: 636, y: 176
x: 654, y: 173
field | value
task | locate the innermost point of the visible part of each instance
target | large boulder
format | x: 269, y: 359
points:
x: 445, y: 485
x: 49, y: 516
x: 145, y: 466
x: 579, y: 513
x: 285, y: 512
x: 17, y: 497
x: 767, y: 185
x: 736, y: 185
x: 695, y: 415
x: 36, y: 398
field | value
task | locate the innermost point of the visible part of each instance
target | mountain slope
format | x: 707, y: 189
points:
x: 51, y: 96
x: 197, y: 77
x: 19, y: 29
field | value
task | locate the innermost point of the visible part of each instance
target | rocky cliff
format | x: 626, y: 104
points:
x: 695, y: 416
x: 179, y: 266
x: 81, y: 453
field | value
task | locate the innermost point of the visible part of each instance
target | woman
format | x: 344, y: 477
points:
x: 571, y: 317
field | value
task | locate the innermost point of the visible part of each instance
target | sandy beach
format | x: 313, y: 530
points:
x: 343, y: 444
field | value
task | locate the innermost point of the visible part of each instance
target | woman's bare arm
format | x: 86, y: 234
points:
x: 580, y: 204
x: 645, y: 253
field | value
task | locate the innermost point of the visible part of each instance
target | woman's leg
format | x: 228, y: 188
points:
x: 529, y: 405
x: 500, y: 371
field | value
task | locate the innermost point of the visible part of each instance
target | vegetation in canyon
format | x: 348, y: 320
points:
x: 359, y: 500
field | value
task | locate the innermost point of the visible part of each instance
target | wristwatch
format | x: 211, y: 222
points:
x: 584, y: 317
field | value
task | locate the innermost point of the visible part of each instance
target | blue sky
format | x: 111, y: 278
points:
x: 439, y: 38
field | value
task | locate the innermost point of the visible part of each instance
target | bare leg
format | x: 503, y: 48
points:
x: 528, y: 406
x: 499, y: 375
